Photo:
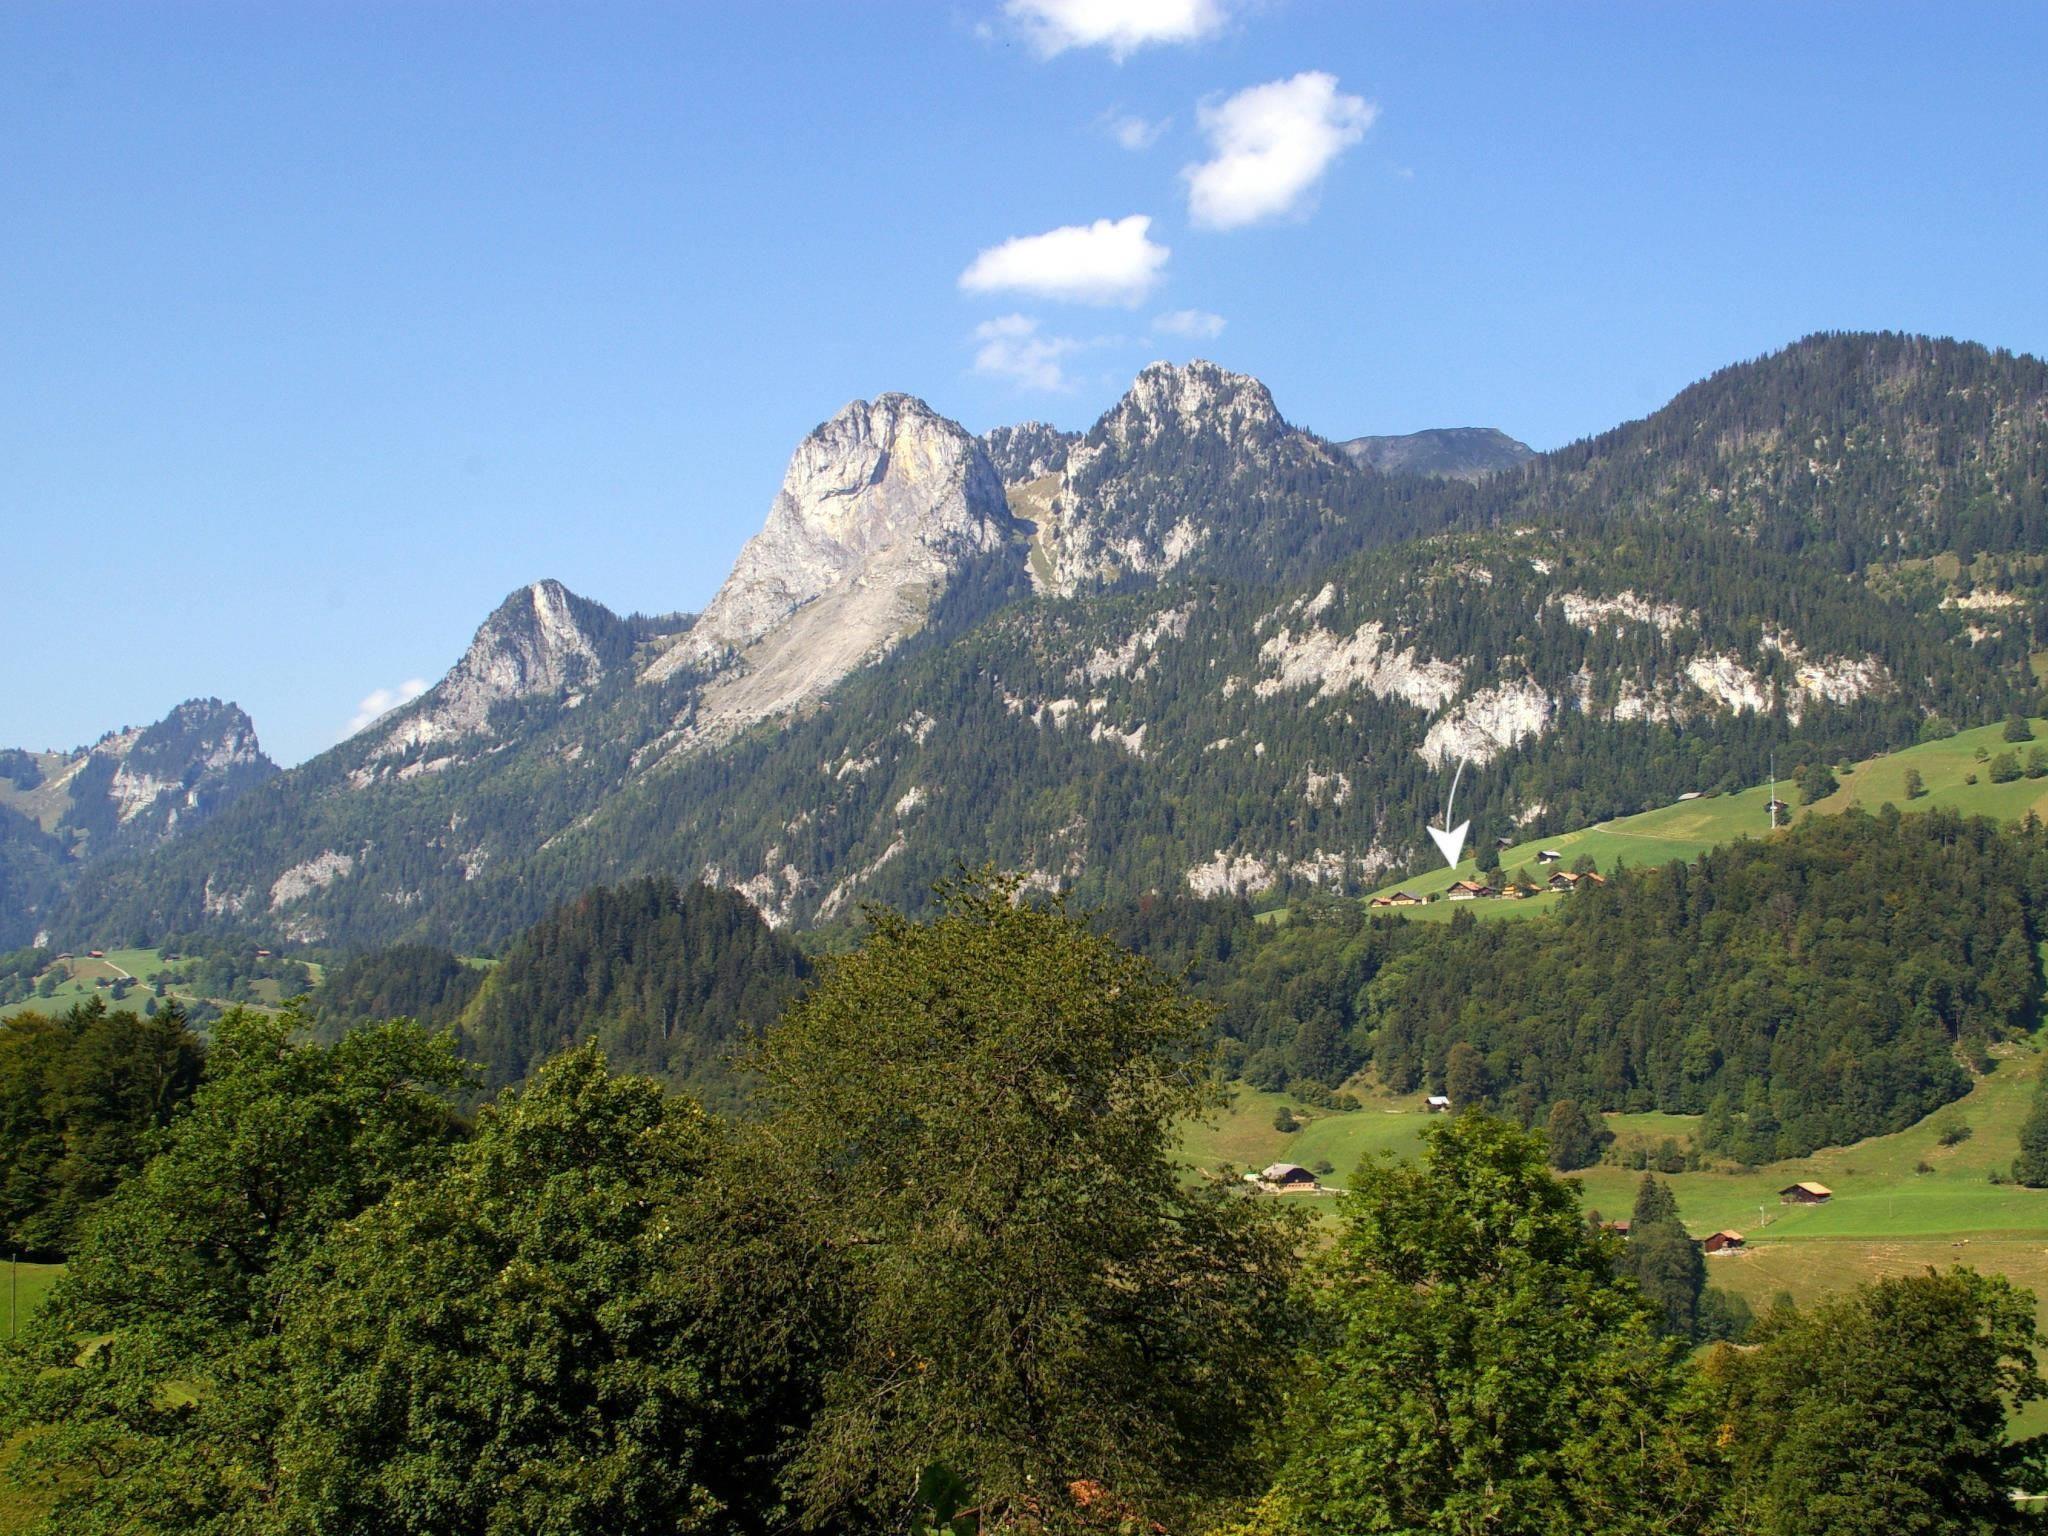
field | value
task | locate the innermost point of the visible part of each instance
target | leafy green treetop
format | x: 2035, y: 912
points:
x: 979, y: 1112
x: 1885, y: 1409
x: 553, y: 1333
x: 1487, y: 1371
x: 168, y: 1423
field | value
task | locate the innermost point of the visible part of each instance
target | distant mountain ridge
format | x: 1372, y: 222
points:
x: 1194, y: 648
x: 127, y: 793
x: 1445, y: 453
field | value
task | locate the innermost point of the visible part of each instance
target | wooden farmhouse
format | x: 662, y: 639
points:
x: 1805, y: 1192
x: 1470, y: 890
x: 1439, y: 1104
x: 1286, y: 1177
x: 1548, y: 856
x: 1723, y: 1242
x: 1565, y: 880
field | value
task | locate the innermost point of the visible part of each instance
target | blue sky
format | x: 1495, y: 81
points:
x: 326, y: 325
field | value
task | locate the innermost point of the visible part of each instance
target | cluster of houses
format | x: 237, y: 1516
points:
x: 1805, y: 1192
x: 1512, y: 890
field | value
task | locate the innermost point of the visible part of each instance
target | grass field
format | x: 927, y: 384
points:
x: 1887, y: 1217
x: 1689, y: 828
x: 80, y: 975
x: 22, y: 1289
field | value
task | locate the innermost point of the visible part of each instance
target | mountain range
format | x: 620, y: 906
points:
x: 1195, y: 648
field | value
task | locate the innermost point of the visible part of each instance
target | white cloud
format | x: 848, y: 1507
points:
x: 1136, y: 133
x: 1012, y: 349
x: 1107, y: 262
x: 379, y: 702
x: 1272, y: 144
x: 1195, y: 324
x: 1121, y: 26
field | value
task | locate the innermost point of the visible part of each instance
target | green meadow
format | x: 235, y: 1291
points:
x: 1901, y: 1202
x: 1688, y: 828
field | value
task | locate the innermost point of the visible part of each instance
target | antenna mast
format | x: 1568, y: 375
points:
x: 1772, y: 807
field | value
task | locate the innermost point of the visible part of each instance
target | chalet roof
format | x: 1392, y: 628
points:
x: 1440, y: 1098
x: 1807, y: 1187
x: 1733, y: 1237
x: 1285, y: 1173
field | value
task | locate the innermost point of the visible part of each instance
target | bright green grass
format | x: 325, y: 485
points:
x: 22, y: 1289
x: 1243, y: 1136
x: 1887, y: 1217
x: 79, y: 975
x: 1689, y: 828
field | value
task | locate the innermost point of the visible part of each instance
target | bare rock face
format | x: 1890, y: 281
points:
x: 881, y: 507
x: 543, y: 639
x: 1158, y: 476
x: 135, y: 787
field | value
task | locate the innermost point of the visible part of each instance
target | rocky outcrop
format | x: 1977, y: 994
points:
x: 1028, y: 451
x: 1188, y: 456
x: 136, y: 786
x: 1441, y: 453
x: 881, y: 508
x: 542, y: 640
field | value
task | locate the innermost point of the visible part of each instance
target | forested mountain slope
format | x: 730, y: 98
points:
x: 1246, y: 666
x: 128, y: 793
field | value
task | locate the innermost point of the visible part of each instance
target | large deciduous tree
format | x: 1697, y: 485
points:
x: 1885, y: 1410
x: 558, y: 1333
x: 978, y: 1113
x: 166, y: 1420
x: 1485, y: 1369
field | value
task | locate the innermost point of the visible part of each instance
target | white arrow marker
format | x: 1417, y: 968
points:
x: 1452, y: 843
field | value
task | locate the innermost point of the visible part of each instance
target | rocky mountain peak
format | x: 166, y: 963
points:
x: 1028, y: 451
x: 886, y: 496
x: 1191, y: 454
x: 1194, y: 397
x: 543, y: 639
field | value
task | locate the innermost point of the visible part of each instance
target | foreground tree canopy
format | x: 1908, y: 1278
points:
x: 951, y: 1276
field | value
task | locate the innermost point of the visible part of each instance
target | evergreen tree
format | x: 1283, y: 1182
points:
x: 1654, y: 1203
x: 2030, y: 1165
x: 1667, y: 1265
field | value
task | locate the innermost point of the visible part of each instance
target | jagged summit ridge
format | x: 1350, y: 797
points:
x: 882, y: 507
x: 1198, y: 396
x: 1158, y: 475
x: 543, y: 639
x: 884, y: 496
x: 1028, y: 451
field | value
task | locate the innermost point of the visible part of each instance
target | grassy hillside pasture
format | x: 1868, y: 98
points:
x: 22, y: 1289
x: 1689, y: 828
x: 78, y: 978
